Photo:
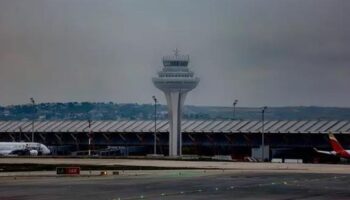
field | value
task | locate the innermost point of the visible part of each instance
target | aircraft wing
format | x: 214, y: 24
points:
x: 323, y: 152
x: 5, y: 152
x: 14, y: 152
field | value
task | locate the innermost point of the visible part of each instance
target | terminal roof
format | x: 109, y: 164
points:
x: 188, y: 126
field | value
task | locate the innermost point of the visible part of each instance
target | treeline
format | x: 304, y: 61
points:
x: 115, y: 111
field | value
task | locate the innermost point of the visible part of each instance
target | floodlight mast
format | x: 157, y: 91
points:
x: 155, y: 126
x: 175, y: 80
x: 90, y: 137
x: 234, y: 109
x: 33, y: 121
x: 263, y: 133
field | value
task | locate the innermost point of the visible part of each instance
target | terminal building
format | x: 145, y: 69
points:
x: 238, y: 138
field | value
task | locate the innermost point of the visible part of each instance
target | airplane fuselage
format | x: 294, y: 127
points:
x: 32, y: 148
x: 343, y: 154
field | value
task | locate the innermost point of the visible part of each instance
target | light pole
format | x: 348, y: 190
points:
x: 90, y: 136
x: 33, y: 104
x: 155, y: 125
x: 234, y: 109
x: 262, y: 133
x: 20, y: 134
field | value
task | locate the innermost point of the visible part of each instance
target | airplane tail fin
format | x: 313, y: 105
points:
x: 335, y: 144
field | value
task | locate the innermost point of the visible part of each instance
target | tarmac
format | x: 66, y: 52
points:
x: 240, y: 166
x: 179, y: 184
x: 209, y: 180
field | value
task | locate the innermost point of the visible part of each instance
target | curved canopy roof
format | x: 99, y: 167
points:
x: 188, y: 126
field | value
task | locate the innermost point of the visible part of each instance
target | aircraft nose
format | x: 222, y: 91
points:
x: 47, y: 151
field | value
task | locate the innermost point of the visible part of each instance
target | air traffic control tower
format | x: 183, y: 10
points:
x: 175, y: 80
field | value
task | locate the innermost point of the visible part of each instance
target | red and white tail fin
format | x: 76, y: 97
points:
x: 335, y: 144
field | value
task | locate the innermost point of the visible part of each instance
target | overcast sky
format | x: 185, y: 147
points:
x: 270, y: 52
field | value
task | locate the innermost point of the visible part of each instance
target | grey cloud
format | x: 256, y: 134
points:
x: 269, y: 52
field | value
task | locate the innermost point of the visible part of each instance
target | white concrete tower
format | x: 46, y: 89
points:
x: 175, y: 80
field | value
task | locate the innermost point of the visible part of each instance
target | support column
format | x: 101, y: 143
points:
x: 175, y: 100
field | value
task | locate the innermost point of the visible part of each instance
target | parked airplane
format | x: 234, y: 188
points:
x: 338, y: 150
x: 23, y: 148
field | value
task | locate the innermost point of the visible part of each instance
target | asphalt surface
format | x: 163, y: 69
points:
x: 180, y: 184
x: 288, y: 167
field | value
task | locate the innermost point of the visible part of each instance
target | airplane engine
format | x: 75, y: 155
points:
x: 33, y: 152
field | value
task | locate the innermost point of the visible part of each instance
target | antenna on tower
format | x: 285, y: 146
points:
x: 176, y: 51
